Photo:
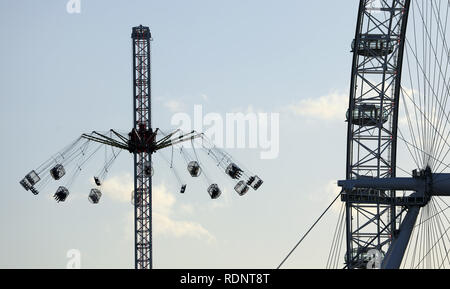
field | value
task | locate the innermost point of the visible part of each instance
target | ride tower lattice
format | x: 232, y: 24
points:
x: 142, y: 125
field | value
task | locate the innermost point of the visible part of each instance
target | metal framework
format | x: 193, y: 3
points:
x: 142, y: 142
x: 142, y: 121
x: 372, y: 124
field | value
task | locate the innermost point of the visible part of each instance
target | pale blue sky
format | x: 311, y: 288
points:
x: 62, y: 75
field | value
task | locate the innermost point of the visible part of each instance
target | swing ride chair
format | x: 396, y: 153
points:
x: 142, y: 142
x: 138, y: 141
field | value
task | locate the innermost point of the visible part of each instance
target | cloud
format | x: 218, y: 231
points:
x: 332, y: 191
x: 326, y: 193
x: 174, y: 105
x: 246, y: 110
x: 119, y: 188
x: 328, y: 107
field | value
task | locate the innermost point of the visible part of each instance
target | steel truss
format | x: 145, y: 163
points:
x: 372, y: 138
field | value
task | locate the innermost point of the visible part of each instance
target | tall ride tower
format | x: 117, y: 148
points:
x: 142, y: 125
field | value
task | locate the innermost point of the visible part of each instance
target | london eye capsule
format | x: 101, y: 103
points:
x: 373, y: 45
x: 241, y: 188
x: 255, y: 182
x: 61, y: 194
x: 183, y: 189
x: 233, y: 171
x: 367, y: 115
x: 214, y: 191
x: 94, y: 196
x: 57, y: 172
x: 194, y: 169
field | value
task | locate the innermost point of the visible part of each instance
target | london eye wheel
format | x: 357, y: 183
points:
x: 396, y: 193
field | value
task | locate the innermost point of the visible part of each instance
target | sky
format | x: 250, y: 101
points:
x: 65, y: 74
